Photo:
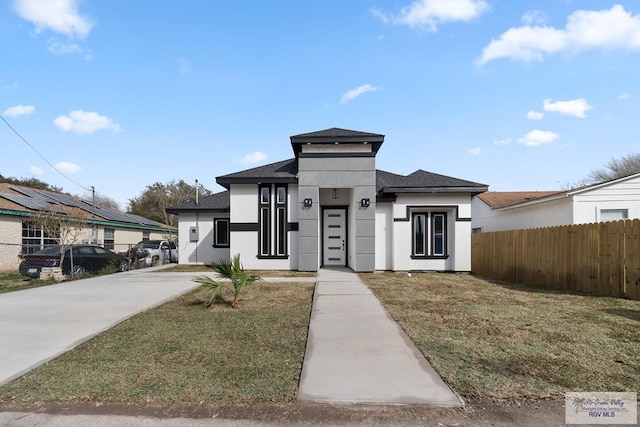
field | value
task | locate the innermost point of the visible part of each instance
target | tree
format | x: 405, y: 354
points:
x: 232, y: 271
x: 157, y: 197
x: 613, y: 169
x: 64, y: 230
x: 102, y: 200
x: 30, y: 182
x: 617, y: 168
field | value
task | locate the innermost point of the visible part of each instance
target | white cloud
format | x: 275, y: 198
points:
x: 576, y: 107
x: 58, y: 48
x: 19, y: 110
x: 59, y: 16
x: 605, y: 29
x: 79, y: 121
x: 537, y: 137
x: 474, y: 151
x: 535, y: 115
x: 624, y: 95
x: 354, y: 93
x: 505, y: 141
x: 534, y: 17
x: 67, y: 167
x: 428, y: 14
x: 255, y: 157
x: 34, y: 170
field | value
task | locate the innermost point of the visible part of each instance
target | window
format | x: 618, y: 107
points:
x: 109, y: 238
x: 429, y: 235
x: 35, y: 238
x: 145, y: 236
x: 221, y: 233
x: 272, y: 221
x: 613, y: 214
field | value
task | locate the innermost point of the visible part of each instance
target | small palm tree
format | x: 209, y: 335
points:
x: 232, y: 271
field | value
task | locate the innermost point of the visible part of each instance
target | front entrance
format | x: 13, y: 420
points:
x: 334, y: 235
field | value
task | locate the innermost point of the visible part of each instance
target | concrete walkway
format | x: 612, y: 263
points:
x: 38, y: 324
x: 356, y: 353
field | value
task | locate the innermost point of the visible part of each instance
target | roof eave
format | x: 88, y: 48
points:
x: 474, y: 190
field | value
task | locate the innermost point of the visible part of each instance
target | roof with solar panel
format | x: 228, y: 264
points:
x: 30, y: 201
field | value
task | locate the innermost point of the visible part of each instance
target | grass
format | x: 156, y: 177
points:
x: 182, y: 352
x: 11, y: 282
x: 496, y: 340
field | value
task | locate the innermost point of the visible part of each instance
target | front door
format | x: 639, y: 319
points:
x: 334, y: 232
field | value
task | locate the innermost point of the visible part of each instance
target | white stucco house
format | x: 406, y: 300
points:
x: 608, y: 201
x: 329, y: 206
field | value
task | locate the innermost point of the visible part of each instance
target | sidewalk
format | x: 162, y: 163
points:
x: 356, y: 353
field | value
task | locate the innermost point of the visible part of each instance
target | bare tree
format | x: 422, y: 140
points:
x: 616, y: 168
x: 613, y: 169
x: 65, y: 230
x: 102, y: 200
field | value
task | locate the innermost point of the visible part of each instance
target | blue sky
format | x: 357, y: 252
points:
x: 119, y: 94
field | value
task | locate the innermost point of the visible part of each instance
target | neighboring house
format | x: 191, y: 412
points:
x: 608, y: 201
x: 22, y: 213
x: 329, y: 206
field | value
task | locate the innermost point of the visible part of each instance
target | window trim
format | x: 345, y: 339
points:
x: 109, y: 242
x: 273, y: 226
x: 216, y: 240
x: 429, y: 240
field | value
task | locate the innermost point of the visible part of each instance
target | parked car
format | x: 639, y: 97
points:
x: 160, y: 251
x: 86, y: 259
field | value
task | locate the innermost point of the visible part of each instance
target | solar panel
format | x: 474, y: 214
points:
x: 31, y: 203
x: 64, y: 199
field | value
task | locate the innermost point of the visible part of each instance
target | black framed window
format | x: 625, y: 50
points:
x: 221, y: 233
x: 429, y: 235
x: 272, y: 218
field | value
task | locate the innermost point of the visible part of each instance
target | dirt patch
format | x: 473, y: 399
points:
x: 477, y: 413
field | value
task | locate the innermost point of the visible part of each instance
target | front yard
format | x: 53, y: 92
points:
x: 487, y: 340
x: 10, y: 282
x: 502, y: 341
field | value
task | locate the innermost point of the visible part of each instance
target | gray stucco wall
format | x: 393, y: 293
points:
x: 357, y: 173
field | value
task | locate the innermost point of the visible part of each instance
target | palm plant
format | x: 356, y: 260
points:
x: 236, y: 279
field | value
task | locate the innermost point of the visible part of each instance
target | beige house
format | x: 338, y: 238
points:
x: 25, y: 211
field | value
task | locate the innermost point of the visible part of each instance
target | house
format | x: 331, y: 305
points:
x: 24, y: 212
x: 608, y: 201
x: 329, y: 206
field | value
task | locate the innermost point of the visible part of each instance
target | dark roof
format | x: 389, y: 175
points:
x: 280, y: 172
x: 422, y: 181
x: 219, y: 202
x: 338, y: 136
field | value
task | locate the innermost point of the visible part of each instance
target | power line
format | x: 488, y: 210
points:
x: 42, y: 157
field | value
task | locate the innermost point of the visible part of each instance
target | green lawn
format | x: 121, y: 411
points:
x: 15, y: 282
x: 496, y: 340
x: 183, y: 352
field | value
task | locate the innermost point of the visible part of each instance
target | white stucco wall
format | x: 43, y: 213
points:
x: 202, y: 251
x: 458, y: 232
x: 384, y: 236
x: 244, y: 209
x: 533, y: 215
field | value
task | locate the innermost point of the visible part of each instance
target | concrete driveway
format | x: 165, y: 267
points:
x: 37, y: 325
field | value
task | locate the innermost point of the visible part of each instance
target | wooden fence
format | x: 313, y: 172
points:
x: 602, y: 258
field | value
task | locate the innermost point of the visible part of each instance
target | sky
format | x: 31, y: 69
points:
x: 118, y: 95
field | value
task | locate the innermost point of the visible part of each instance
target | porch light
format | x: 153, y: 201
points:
x: 364, y: 203
x: 306, y: 203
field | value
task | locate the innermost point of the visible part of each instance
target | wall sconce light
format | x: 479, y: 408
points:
x: 364, y: 203
x: 306, y: 203
x: 335, y: 193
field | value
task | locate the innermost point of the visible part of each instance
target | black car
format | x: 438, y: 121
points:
x: 86, y: 259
